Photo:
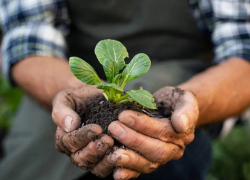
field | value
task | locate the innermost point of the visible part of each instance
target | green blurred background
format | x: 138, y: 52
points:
x: 9, y: 100
x: 231, y: 155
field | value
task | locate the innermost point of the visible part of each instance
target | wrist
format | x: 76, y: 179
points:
x: 43, y: 77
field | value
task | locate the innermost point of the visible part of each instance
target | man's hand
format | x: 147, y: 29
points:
x: 68, y: 106
x: 152, y: 142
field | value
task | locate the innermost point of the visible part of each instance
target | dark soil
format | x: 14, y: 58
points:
x: 103, y: 112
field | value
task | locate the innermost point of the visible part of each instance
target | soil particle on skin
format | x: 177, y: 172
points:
x: 103, y: 112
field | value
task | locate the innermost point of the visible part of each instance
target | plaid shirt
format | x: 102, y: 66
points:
x: 38, y: 27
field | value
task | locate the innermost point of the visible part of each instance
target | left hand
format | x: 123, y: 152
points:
x: 157, y: 141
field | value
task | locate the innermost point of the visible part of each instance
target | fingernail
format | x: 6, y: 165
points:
x: 120, y: 175
x: 128, y: 121
x: 67, y: 123
x: 185, y: 121
x: 124, y: 175
x: 125, y: 158
x: 101, y: 146
x: 116, y: 130
x: 112, y: 158
x: 91, y: 135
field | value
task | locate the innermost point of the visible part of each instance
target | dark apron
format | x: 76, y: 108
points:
x: 163, y: 29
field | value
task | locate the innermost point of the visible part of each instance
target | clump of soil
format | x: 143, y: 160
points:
x: 103, y: 112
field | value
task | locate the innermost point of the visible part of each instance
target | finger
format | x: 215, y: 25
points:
x: 183, y: 104
x: 124, y: 174
x: 77, y: 139
x: 157, y: 128
x: 63, y: 113
x: 186, y: 112
x: 153, y: 149
x: 104, y: 167
x: 87, y: 157
x: 131, y: 160
x: 142, y: 123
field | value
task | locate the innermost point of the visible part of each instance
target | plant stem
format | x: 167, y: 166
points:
x: 126, y: 100
x: 112, y: 94
x: 123, y: 84
x: 122, y: 98
x: 108, y: 94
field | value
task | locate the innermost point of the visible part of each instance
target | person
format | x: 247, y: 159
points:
x: 34, y: 49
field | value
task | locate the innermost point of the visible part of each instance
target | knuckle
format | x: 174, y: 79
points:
x: 135, y: 143
x: 58, y: 96
x: 81, y: 160
x: 103, y: 168
x: 58, y: 144
x: 98, y: 174
x: 190, y: 138
x: 144, y: 127
x: 89, y: 156
x: 91, y: 150
x: 58, y: 148
x: 92, y: 129
x: 89, y: 164
x: 178, y: 155
x: 68, y: 143
x: 165, y: 133
x: 65, y: 140
x: 161, y: 154
x: 194, y: 114
x: 55, y: 113
x: 171, y: 135
x: 74, y: 159
x: 84, y: 167
x: 191, y: 94
x: 62, y: 93
x: 152, y: 167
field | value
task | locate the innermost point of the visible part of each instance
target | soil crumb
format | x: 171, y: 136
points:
x: 103, y: 112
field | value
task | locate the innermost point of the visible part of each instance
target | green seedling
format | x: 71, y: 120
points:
x: 111, y: 55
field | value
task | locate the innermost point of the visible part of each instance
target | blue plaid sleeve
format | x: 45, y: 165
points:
x: 231, y: 33
x: 228, y: 24
x: 32, y: 27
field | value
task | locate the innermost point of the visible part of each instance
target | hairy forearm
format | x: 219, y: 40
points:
x: 222, y: 91
x: 42, y: 77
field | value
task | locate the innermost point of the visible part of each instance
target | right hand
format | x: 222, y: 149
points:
x: 78, y: 143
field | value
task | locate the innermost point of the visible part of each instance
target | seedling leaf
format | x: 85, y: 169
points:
x: 138, y: 66
x: 83, y: 71
x: 109, y: 68
x: 111, y: 55
x: 117, y: 79
x: 111, y: 50
x: 143, y: 97
x: 108, y: 87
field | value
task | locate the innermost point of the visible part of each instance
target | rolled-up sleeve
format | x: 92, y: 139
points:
x: 231, y: 30
x: 32, y: 28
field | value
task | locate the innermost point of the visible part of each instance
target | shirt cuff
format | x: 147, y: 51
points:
x: 231, y: 39
x: 31, y: 40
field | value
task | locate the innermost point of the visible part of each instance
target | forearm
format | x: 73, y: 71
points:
x: 42, y: 77
x: 222, y: 90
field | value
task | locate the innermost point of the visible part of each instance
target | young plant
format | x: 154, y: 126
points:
x: 111, y: 55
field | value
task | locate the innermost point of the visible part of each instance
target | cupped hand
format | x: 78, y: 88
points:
x: 152, y: 142
x: 85, y: 145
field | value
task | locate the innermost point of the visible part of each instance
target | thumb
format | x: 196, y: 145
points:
x: 63, y: 113
x: 185, y: 113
